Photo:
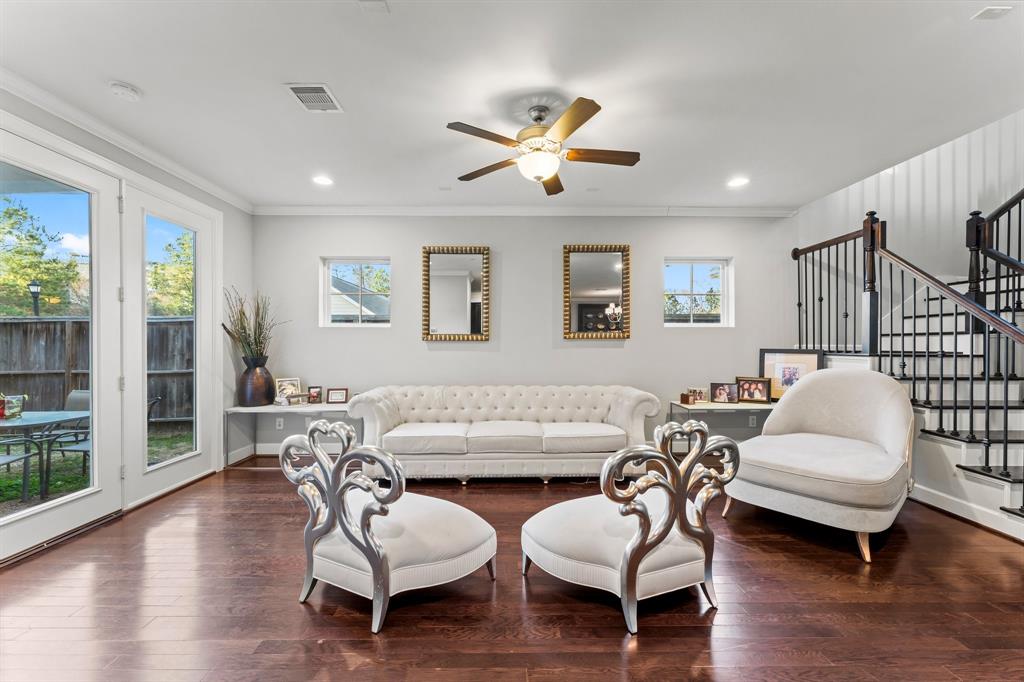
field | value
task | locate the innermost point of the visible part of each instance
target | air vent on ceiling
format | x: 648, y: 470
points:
x: 314, y: 97
x: 993, y: 12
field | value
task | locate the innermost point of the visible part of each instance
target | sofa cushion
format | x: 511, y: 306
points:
x: 582, y: 437
x: 504, y: 436
x: 426, y: 438
x: 832, y: 468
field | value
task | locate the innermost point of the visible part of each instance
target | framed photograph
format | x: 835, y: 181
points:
x: 298, y: 399
x: 337, y: 395
x: 724, y: 393
x: 786, y: 366
x: 700, y: 395
x: 686, y: 399
x: 286, y: 388
x: 754, y: 389
x: 315, y: 394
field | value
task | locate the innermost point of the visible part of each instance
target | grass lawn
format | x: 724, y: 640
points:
x: 66, y: 472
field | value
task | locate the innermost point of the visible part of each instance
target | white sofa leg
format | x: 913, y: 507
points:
x: 727, y: 507
x: 492, y: 565
x: 527, y: 562
x: 307, y: 586
x: 864, y: 546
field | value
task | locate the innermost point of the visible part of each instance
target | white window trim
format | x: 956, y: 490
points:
x: 324, y: 285
x: 728, y: 289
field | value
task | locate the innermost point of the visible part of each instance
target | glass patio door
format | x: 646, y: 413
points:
x: 168, y: 346
x: 60, y: 329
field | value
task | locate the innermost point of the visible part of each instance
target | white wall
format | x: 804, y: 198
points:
x: 927, y: 199
x: 238, y: 225
x: 526, y: 337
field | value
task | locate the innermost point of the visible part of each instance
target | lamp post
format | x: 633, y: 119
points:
x: 34, y: 287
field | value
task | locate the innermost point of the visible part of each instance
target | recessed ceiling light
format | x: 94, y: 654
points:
x: 737, y: 181
x: 125, y: 91
x: 993, y: 12
x: 323, y: 180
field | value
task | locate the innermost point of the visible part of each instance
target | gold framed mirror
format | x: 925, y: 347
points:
x: 456, y: 293
x: 595, y: 291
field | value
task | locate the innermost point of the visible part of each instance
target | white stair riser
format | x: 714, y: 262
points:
x: 963, y: 420
x: 934, y: 390
x: 947, y: 342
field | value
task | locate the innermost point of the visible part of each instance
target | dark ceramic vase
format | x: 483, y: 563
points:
x: 255, y: 385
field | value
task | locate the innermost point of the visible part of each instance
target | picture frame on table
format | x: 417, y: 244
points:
x: 288, y: 387
x: 786, y: 366
x: 699, y: 394
x: 754, y: 389
x: 724, y: 393
x: 337, y: 396
x: 315, y: 394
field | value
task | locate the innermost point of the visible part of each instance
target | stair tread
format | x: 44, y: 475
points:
x: 1019, y: 511
x: 1016, y: 472
x: 1014, y: 436
x: 959, y: 377
x: 979, y: 405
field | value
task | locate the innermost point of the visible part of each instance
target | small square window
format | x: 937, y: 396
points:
x: 697, y: 292
x: 356, y: 292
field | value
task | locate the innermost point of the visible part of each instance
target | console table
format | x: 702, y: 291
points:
x: 314, y: 410
x: 738, y: 421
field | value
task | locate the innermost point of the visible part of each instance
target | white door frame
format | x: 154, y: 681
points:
x: 42, y: 522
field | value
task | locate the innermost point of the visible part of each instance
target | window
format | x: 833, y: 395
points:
x: 357, y: 291
x: 697, y: 292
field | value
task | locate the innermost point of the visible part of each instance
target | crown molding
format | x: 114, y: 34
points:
x: 529, y: 211
x: 52, y: 104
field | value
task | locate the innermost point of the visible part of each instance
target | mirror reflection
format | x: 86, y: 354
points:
x: 456, y: 304
x: 596, y: 292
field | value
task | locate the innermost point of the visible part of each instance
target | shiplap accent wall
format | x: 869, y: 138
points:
x: 927, y: 199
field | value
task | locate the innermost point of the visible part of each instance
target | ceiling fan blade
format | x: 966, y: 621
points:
x: 480, y: 132
x: 487, y: 169
x: 603, y: 156
x: 553, y: 185
x: 578, y: 113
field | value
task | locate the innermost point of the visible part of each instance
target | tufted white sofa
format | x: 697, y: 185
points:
x: 495, y: 431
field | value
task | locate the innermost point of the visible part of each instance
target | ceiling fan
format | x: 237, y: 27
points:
x: 541, y: 147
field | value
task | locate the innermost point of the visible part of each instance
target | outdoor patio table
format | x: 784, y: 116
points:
x: 30, y: 424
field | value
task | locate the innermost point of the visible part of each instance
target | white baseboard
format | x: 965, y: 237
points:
x: 992, y: 518
x: 238, y: 454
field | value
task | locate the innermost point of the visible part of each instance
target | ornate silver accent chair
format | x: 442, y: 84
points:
x: 590, y: 541
x: 415, y: 541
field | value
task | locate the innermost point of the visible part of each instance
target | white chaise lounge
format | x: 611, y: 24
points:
x: 836, y: 450
x: 496, y: 431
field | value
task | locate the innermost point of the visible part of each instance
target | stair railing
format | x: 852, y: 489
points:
x: 826, y: 275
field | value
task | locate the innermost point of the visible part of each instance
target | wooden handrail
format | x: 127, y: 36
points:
x: 1003, y: 259
x: 970, y: 306
x: 1005, y: 208
x: 820, y: 246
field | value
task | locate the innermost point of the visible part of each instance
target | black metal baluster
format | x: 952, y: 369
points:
x: 846, y: 298
x: 1006, y: 415
x: 828, y: 298
x: 813, y: 305
x: 821, y: 299
x: 942, y: 367
x: 955, y: 429
x: 856, y: 293
x: 836, y: 349
x: 987, y: 362
x: 970, y: 384
x: 903, y: 325
x: 913, y: 349
x: 799, y: 307
x: 807, y: 306
x: 927, y: 346
x: 892, y: 337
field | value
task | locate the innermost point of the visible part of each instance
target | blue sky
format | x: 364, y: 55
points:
x: 677, y: 278
x: 67, y: 214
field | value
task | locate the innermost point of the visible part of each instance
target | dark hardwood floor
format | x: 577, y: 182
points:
x: 202, y: 585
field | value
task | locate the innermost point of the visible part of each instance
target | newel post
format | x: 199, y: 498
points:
x: 869, y: 326
x: 977, y: 238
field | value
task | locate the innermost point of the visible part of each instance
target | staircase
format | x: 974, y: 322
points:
x: 954, y: 345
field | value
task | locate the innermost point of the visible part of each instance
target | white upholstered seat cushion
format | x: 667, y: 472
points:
x: 582, y: 541
x: 428, y: 541
x: 562, y: 437
x: 831, y: 468
x: 504, y: 436
x: 420, y: 438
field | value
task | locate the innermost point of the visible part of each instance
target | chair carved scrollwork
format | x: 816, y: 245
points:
x: 681, y: 475
x: 324, y: 485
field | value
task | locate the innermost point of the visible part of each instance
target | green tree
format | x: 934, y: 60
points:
x: 24, y: 243
x: 172, y: 282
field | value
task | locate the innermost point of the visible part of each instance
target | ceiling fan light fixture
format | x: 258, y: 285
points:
x: 539, y: 165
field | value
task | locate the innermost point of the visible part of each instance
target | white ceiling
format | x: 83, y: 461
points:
x: 803, y: 97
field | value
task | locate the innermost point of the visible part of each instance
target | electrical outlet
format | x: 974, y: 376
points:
x: 752, y: 421
x: 279, y: 423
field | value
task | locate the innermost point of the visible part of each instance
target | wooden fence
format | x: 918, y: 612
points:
x: 48, y: 357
